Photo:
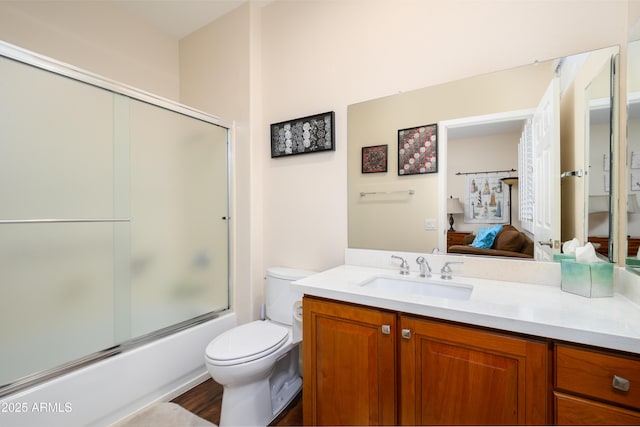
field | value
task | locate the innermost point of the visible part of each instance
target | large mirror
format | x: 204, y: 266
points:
x: 481, y: 123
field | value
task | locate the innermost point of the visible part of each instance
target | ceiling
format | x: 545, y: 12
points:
x: 178, y: 18
x: 486, y: 129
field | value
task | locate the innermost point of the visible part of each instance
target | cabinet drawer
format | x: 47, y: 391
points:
x: 591, y: 373
x: 572, y: 410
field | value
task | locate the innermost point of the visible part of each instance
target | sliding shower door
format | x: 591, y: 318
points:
x: 178, y: 210
x: 56, y: 168
x: 113, y: 219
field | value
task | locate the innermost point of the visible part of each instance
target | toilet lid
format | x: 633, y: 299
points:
x: 246, y: 342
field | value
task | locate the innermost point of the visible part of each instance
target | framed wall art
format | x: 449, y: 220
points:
x: 305, y: 135
x: 418, y: 150
x: 374, y: 159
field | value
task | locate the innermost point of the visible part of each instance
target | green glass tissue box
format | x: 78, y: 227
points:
x: 589, y: 279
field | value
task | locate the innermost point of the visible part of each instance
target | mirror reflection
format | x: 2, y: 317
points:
x: 481, y: 122
x: 598, y: 150
x: 633, y: 153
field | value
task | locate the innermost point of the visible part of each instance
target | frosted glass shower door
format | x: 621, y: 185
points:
x: 113, y: 219
x: 56, y: 167
x: 179, y: 205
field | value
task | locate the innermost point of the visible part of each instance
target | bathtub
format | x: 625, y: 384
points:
x: 112, y: 389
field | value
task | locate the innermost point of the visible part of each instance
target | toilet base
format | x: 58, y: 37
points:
x: 246, y: 405
x: 253, y: 404
x: 258, y: 403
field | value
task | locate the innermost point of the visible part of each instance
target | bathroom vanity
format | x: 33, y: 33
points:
x: 416, y: 372
x: 508, y: 353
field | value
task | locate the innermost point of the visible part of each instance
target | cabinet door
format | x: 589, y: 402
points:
x: 349, y: 364
x: 458, y: 375
x: 571, y: 410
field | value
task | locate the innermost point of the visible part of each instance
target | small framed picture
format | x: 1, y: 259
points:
x: 418, y: 150
x: 374, y: 159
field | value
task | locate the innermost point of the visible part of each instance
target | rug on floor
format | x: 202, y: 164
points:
x: 164, y: 414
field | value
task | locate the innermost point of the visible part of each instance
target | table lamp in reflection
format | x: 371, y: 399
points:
x: 453, y: 207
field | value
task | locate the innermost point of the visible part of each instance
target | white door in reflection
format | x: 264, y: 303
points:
x: 546, y: 173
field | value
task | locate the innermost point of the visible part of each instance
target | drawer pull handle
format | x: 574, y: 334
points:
x: 620, y: 383
x: 406, y: 334
x: 386, y: 329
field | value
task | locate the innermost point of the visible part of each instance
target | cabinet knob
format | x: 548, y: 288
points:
x: 406, y: 334
x: 620, y: 383
x: 386, y: 329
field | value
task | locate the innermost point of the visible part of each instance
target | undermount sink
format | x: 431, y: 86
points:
x: 425, y: 287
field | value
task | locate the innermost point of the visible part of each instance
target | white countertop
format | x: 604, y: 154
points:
x: 534, y: 309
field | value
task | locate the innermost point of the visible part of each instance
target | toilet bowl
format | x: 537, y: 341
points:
x: 257, y: 363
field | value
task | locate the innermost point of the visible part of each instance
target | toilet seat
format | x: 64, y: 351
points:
x: 246, y: 343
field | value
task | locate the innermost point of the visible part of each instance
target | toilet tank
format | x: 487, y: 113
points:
x: 279, y: 297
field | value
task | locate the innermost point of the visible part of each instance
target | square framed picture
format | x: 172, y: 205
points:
x: 374, y: 159
x: 304, y: 135
x: 418, y: 150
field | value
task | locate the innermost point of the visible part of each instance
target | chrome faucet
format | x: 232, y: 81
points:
x: 425, y: 269
x: 445, y: 272
x: 404, y: 267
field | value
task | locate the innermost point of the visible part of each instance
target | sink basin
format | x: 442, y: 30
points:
x: 426, y: 287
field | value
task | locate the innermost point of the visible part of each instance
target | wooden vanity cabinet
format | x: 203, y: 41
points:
x: 451, y: 374
x: 442, y: 374
x: 349, y: 364
x: 595, y: 387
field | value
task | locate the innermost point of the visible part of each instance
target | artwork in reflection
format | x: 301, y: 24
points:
x: 374, y: 159
x: 417, y: 150
x: 485, y: 199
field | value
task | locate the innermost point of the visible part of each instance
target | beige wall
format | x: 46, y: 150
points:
x: 216, y: 68
x: 307, y: 57
x: 95, y: 36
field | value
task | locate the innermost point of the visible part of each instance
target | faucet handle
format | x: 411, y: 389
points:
x: 404, y: 267
x: 445, y: 272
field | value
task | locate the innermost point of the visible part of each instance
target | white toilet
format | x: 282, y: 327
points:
x: 258, y: 363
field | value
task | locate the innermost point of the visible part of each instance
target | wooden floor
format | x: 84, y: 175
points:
x: 205, y: 400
